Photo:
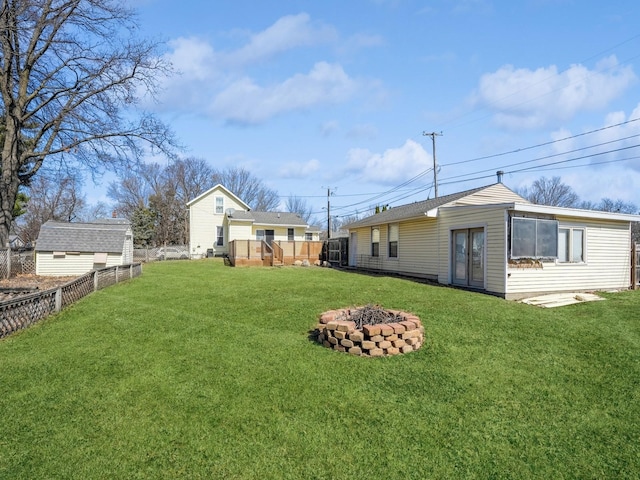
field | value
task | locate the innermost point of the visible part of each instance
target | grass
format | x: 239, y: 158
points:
x: 196, y: 370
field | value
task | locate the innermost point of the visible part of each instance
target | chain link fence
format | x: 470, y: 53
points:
x: 155, y: 254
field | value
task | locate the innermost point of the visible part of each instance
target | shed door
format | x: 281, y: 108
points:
x: 468, y: 257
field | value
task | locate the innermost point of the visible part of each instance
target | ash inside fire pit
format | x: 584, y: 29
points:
x: 370, y: 331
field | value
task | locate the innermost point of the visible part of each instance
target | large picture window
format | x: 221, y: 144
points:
x: 393, y: 240
x: 375, y: 241
x: 534, y: 238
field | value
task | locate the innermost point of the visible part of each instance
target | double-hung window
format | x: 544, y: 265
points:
x: 290, y: 235
x: 219, y: 205
x: 375, y: 241
x: 571, y: 245
x: 393, y: 240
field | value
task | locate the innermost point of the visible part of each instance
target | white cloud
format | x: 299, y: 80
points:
x: 246, y: 102
x: 613, y: 143
x: 217, y: 83
x: 612, y: 182
x: 286, y: 33
x: 523, y: 98
x: 393, y: 166
x: 299, y: 169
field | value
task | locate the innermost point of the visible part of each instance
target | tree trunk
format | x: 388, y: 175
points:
x: 9, y: 182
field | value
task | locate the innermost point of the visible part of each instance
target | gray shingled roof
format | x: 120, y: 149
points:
x: 411, y: 210
x: 270, y: 218
x: 106, y: 237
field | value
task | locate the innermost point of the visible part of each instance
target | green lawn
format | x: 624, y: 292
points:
x: 196, y: 370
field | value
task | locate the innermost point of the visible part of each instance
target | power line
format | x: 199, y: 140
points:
x: 518, y: 150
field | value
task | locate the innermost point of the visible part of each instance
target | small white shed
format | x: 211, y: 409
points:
x: 77, y: 248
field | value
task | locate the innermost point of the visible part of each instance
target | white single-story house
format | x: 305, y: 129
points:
x: 493, y: 240
x: 268, y: 226
x: 221, y: 224
x: 76, y: 248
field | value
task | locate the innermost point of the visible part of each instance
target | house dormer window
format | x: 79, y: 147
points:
x: 219, y: 205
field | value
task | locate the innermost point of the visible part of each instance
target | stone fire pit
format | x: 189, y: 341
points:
x: 370, y: 331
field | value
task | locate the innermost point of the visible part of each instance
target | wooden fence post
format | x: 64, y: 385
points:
x: 58, y: 300
x: 95, y: 280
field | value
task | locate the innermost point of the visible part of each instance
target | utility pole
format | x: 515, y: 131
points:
x: 329, y: 193
x: 435, y: 165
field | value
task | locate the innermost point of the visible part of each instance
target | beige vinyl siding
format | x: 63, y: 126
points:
x: 494, y: 224
x: 241, y: 231
x: 417, y: 249
x: 496, y: 193
x: 71, y: 263
x: 607, y: 266
x: 203, y: 222
x: 280, y: 233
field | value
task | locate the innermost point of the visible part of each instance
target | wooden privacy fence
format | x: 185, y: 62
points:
x: 23, y: 311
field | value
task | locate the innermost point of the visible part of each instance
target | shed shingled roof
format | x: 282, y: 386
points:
x: 108, y: 237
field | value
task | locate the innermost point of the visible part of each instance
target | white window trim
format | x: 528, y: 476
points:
x: 215, y: 205
x: 397, y: 240
x: 372, y: 242
x: 570, y: 242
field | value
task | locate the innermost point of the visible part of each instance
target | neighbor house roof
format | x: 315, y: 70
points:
x: 411, y: 210
x: 282, y: 219
x: 225, y: 190
x: 107, y: 237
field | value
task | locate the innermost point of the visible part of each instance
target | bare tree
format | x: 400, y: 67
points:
x: 248, y: 187
x: 161, y: 193
x: 618, y: 206
x: 300, y: 206
x: 51, y: 197
x: 134, y: 187
x: 191, y: 176
x: 70, y: 75
x: 545, y: 191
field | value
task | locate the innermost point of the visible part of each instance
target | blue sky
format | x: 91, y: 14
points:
x: 311, y: 95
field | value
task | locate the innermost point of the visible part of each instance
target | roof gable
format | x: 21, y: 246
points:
x: 106, y: 237
x: 223, y: 189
